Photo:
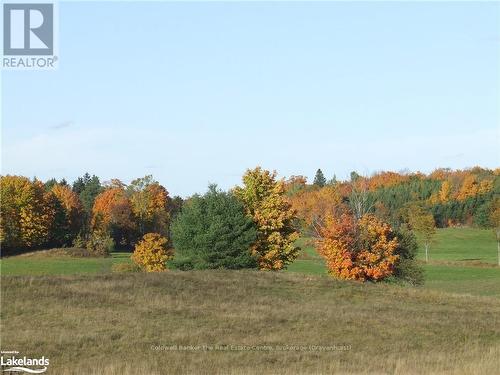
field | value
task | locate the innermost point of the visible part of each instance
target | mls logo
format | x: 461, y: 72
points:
x: 28, y: 29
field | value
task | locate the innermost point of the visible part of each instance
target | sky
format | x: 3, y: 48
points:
x: 196, y: 93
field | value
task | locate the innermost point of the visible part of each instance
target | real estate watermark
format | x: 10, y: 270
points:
x: 30, y: 36
x: 252, y: 348
x: 12, y: 362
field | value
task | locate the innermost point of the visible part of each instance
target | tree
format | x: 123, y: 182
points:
x: 213, y: 231
x: 359, y: 198
x: 495, y: 221
x: 319, y: 178
x: 406, y: 267
x: 358, y: 249
x: 445, y: 192
x: 354, y: 176
x: 112, y: 214
x: 151, y: 253
x: 72, y: 211
x: 149, y: 201
x: 423, y: 223
x: 312, y: 206
x: 27, y: 213
x: 88, y: 188
x: 265, y: 202
x: 333, y: 181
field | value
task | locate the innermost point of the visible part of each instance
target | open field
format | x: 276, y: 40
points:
x: 462, y: 260
x: 107, y: 324
x: 43, y: 264
x: 463, y: 245
x: 87, y: 320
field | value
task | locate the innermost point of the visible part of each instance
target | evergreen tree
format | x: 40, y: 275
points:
x: 213, y: 231
x: 319, y: 178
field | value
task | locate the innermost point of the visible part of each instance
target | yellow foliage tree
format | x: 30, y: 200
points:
x: 264, y: 200
x: 312, y: 206
x: 445, y: 191
x: 151, y: 253
x: 72, y: 209
x: 27, y: 212
x: 149, y: 203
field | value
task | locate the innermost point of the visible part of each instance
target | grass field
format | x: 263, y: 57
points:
x: 42, y: 264
x: 251, y: 323
x: 462, y: 260
x: 88, y: 320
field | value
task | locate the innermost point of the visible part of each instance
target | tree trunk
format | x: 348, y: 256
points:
x: 498, y: 249
x: 426, y: 253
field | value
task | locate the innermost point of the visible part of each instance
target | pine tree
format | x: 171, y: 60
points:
x: 319, y: 178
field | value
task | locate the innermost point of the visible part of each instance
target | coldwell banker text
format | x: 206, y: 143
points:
x: 28, y: 36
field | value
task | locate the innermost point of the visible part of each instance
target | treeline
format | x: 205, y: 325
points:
x: 55, y: 214
x: 454, y: 197
x: 362, y: 227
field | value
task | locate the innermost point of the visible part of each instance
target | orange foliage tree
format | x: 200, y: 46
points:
x: 313, y: 205
x: 358, y: 249
x: 72, y: 211
x: 112, y: 213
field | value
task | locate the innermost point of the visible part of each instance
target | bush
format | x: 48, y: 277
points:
x: 213, y: 231
x: 100, y: 244
x: 151, y: 253
x: 407, y: 268
x: 355, y: 249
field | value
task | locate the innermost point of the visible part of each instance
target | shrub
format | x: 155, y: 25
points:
x: 151, y: 253
x: 407, y: 268
x: 213, y: 231
x: 100, y: 244
x: 361, y: 249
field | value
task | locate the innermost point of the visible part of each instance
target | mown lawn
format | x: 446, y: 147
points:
x: 463, y: 245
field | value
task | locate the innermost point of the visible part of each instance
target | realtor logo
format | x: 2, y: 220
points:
x: 28, y: 30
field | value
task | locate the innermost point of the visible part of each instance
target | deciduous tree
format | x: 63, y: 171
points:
x: 358, y: 249
x: 265, y: 202
x: 112, y: 213
x: 149, y: 201
x: 151, y: 253
x: 424, y: 225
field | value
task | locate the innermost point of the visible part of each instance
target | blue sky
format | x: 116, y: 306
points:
x: 198, y: 92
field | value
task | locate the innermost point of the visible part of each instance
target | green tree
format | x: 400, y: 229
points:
x: 213, y: 231
x: 423, y: 224
x: 88, y: 188
x: 319, y: 178
x: 407, y: 268
x: 495, y: 221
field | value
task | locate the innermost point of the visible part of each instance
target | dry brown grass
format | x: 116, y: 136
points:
x: 108, y: 325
